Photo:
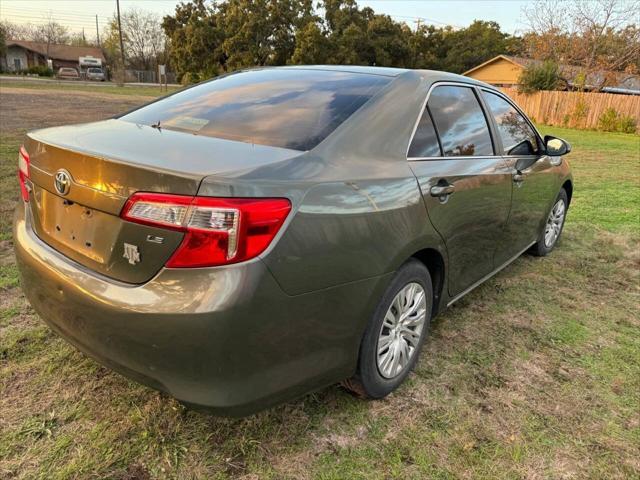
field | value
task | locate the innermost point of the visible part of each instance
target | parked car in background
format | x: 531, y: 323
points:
x: 68, y: 73
x: 95, y: 73
x: 274, y: 231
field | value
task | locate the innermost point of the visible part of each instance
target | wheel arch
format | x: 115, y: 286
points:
x: 434, y: 261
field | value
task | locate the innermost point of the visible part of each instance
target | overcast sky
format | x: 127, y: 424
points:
x: 77, y: 14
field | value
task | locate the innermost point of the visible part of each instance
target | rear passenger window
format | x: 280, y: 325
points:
x: 518, y: 138
x: 460, y: 122
x: 425, y: 142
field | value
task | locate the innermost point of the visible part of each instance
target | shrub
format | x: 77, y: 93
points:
x: 544, y: 76
x: 612, y: 121
x: 189, y: 78
x: 41, y: 70
x: 579, y: 113
x: 627, y: 124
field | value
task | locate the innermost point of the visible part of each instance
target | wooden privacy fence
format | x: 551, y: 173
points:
x: 574, y: 109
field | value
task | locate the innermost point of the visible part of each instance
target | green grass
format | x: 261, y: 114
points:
x: 84, y: 87
x: 536, y: 374
x: 607, y: 171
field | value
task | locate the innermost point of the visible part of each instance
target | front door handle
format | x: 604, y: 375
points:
x: 442, y: 190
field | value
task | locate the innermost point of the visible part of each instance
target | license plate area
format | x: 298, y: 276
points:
x: 81, y: 229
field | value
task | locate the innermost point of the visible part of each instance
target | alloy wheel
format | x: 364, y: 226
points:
x: 401, y: 330
x: 554, y: 224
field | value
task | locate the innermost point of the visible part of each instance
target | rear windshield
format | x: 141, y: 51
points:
x: 290, y: 108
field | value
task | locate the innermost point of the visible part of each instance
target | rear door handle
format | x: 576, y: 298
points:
x: 442, y: 190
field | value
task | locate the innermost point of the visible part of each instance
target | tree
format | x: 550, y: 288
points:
x: 195, y: 39
x: 3, y: 40
x: 110, y: 42
x: 596, y: 35
x: 14, y: 31
x: 468, y: 47
x: 79, y: 40
x: 51, y: 33
x: 544, y: 76
x: 143, y: 38
x: 427, y: 46
x: 211, y: 38
x: 287, y: 18
x: 311, y: 46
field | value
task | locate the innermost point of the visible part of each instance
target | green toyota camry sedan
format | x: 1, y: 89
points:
x: 274, y: 231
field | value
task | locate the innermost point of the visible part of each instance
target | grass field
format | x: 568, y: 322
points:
x: 72, y: 86
x: 535, y: 374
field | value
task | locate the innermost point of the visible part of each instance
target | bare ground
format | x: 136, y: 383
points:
x: 24, y: 110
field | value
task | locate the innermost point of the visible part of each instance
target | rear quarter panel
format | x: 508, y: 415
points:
x: 357, y: 211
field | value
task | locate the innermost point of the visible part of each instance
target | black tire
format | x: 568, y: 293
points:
x: 540, y: 248
x: 368, y: 382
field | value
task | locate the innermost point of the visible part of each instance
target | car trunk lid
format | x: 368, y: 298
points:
x: 105, y: 163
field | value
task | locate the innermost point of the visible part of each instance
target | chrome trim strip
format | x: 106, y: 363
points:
x: 41, y: 171
x: 112, y: 195
x: 461, y: 157
x: 488, y: 276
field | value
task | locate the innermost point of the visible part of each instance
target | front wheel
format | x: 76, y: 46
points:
x: 553, y: 226
x: 392, y: 341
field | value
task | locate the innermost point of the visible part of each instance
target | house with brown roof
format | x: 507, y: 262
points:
x: 505, y: 71
x: 22, y: 54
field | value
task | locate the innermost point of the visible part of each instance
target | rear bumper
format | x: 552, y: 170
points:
x: 227, y: 338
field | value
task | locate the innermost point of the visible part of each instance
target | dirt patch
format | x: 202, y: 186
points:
x: 24, y: 110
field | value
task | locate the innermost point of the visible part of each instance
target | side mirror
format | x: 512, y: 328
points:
x: 556, y: 146
x: 522, y: 148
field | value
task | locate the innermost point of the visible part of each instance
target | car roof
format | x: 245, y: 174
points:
x: 431, y: 75
x: 384, y: 71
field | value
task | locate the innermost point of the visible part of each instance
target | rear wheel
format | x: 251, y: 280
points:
x: 393, y: 339
x: 553, y: 226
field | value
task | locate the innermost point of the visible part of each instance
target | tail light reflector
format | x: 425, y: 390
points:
x: 23, y: 172
x: 218, y: 231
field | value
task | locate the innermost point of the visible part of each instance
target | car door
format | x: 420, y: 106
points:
x: 533, y: 176
x: 465, y: 184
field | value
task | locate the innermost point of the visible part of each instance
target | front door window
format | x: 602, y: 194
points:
x: 518, y: 138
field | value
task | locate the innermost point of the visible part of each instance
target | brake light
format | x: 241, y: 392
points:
x: 23, y: 172
x: 218, y: 231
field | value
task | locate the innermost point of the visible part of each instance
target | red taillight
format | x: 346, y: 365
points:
x: 218, y: 231
x: 23, y: 173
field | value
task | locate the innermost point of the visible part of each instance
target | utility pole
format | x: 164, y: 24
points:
x: 121, y: 42
x: 97, y: 32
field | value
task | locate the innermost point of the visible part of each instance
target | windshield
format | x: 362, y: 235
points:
x: 290, y: 108
x: 95, y: 70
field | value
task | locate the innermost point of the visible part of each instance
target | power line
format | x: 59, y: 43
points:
x: 54, y: 17
x: 74, y: 16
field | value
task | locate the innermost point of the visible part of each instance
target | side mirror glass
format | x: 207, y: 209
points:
x: 556, y: 146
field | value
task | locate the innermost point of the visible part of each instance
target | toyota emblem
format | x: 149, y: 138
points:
x: 62, y: 182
